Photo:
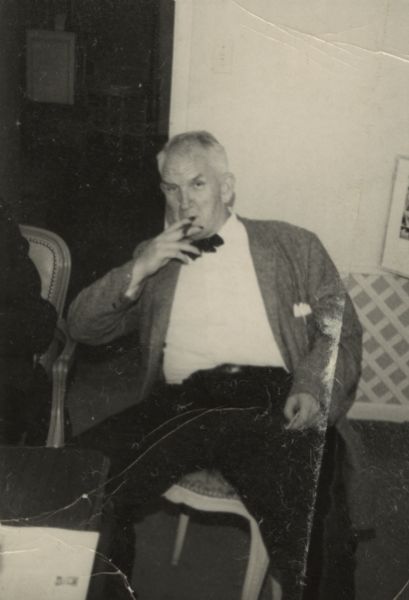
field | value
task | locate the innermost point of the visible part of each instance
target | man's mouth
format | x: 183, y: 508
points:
x: 187, y: 229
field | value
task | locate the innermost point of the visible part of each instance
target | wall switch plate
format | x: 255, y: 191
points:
x: 222, y: 59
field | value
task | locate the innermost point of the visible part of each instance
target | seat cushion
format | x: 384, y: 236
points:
x: 208, y: 483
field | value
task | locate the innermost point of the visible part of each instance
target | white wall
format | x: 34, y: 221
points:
x: 311, y: 100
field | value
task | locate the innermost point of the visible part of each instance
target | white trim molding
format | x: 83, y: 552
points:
x: 379, y: 412
x: 182, y: 47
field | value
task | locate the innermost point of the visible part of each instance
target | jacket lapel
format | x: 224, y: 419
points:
x: 163, y: 294
x: 264, y: 254
x: 159, y: 297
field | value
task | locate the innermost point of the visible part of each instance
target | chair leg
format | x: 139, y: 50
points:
x: 257, y: 564
x: 276, y: 589
x: 180, y: 538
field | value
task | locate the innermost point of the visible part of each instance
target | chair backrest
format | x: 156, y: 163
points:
x: 52, y: 258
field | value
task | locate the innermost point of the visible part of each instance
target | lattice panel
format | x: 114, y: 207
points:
x: 382, y: 303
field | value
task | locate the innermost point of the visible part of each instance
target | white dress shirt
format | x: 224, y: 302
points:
x: 218, y: 315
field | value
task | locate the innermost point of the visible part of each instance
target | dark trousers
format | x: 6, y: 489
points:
x: 233, y: 422
x: 331, y: 557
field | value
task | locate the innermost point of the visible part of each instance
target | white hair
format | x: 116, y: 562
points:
x: 186, y: 143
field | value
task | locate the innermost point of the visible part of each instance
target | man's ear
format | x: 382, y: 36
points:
x: 227, y: 188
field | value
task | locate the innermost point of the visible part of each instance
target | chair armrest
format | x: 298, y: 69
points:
x: 60, y: 369
x: 47, y: 359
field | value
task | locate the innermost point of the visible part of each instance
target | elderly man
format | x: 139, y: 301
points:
x: 248, y: 343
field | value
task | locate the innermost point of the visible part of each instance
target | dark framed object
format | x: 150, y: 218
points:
x: 50, y: 71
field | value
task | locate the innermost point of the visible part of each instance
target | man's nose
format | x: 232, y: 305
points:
x: 185, y: 199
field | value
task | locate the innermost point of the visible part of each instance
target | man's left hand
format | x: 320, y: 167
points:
x: 302, y: 411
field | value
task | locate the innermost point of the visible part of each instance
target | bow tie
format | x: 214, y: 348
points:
x: 209, y: 244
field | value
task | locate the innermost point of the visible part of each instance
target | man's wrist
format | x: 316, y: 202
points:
x: 137, y: 277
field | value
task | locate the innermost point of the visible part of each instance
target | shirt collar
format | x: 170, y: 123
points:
x: 231, y: 229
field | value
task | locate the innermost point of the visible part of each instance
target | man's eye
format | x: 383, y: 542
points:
x: 199, y: 184
x: 168, y: 189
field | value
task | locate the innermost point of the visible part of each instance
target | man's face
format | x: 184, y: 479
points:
x: 195, y: 189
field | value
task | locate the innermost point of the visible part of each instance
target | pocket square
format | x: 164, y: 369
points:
x: 302, y: 310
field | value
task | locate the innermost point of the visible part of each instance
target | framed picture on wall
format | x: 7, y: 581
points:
x: 396, y: 249
x: 50, y: 66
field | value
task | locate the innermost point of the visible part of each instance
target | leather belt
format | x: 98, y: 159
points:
x: 235, y: 385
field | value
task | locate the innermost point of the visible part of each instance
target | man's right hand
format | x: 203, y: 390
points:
x: 172, y: 243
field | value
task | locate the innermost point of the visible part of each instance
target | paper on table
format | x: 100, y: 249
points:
x: 45, y: 563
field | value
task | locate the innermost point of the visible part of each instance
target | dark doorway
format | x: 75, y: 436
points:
x: 89, y: 169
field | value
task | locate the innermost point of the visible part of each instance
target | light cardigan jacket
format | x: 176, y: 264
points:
x: 310, y: 314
